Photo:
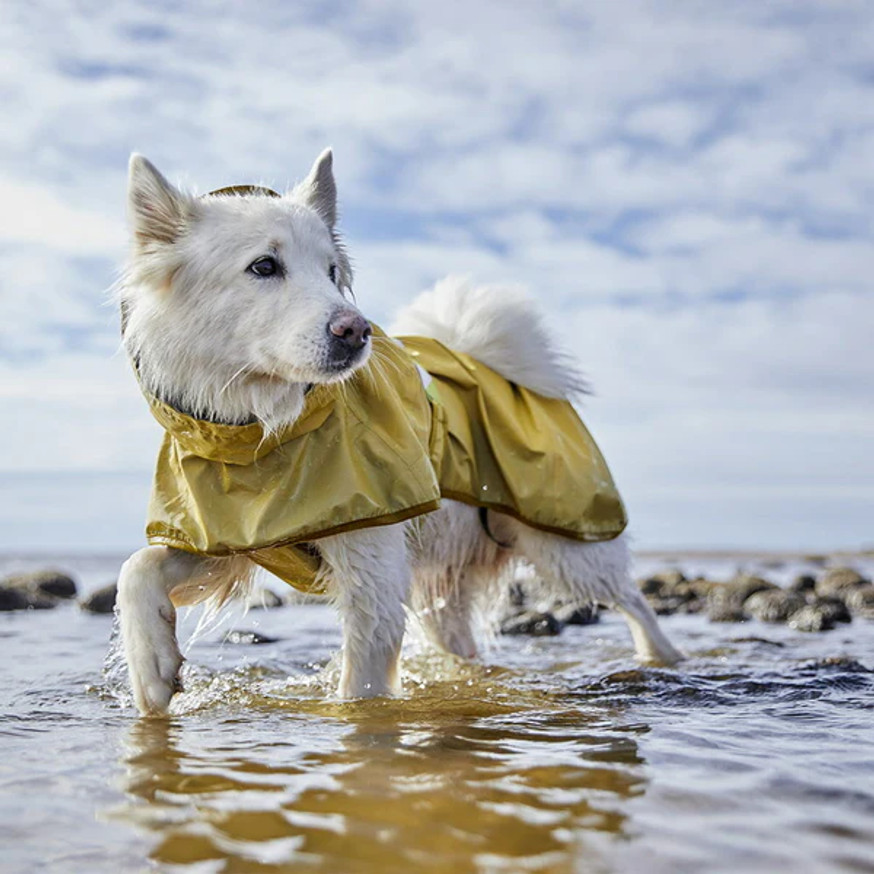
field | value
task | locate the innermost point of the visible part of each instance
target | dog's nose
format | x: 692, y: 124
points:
x: 350, y: 329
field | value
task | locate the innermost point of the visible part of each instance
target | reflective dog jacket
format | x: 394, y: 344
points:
x: 375, y: 450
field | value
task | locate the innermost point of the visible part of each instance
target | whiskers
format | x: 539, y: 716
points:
x: 383, y: 367
x: 246, y: 368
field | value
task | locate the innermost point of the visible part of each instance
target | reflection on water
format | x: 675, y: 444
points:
x: 444, y: 783
x: 559, y: 755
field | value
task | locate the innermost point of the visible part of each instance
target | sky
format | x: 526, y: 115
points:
x: 686, y: 186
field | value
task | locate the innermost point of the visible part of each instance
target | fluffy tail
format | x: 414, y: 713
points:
x: 498, y: 325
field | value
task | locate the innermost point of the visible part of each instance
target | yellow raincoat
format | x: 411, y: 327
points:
x: 376, y: 450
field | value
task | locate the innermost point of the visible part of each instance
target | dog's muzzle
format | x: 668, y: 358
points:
x: 348, y: 335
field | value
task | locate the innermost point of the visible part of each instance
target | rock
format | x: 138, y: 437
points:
x: 701, y: 586
x: 667, y: 606
x: 773, y: 605
x: 834, y: 608
x: 23, y: 598
x: 263, y: 599
x: 248, y: 637
x: 841, y: 663
x: 656, y: 583
x: 726, y: 601
x: 101, y: 600
x: 683, y: 602
x: 750, y: 584
x: 811, y: 618
x: 531, y: 623
x: 51, y: 583
x: 838, y: 580
x: 671, y: 592
x: 802, y: 584
x: 725, y: 611
x: 860, y: 601
x: 761, y: 640
x: 12, y: 599
x: 650, y: 585
x: 576, y: 614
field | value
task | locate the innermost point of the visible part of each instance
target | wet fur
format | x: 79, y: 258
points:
x: 211, y: 338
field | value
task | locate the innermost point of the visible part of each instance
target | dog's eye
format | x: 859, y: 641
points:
x: 332, y: 273
x: 266, y: 266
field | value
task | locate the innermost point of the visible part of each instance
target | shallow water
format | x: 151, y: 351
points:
x: 557, y: 754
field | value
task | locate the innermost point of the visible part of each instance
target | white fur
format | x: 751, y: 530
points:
x: 497, y: 324
x: 212, y: 338
x: 206, y: 334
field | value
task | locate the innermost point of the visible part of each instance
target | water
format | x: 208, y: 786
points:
x: 557, y: 754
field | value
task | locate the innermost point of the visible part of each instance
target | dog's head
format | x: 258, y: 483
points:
x: 239, y: 298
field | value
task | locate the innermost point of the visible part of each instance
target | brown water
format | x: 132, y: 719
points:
x: 555, y: 755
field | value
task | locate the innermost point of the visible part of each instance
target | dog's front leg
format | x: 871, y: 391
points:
x: 148, y: 622
x: 369, y: 578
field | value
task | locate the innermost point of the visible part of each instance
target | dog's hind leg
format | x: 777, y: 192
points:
x: 457, y: 566
x: 443, y: 603
x: 368, y: 576
x: 596, y: 573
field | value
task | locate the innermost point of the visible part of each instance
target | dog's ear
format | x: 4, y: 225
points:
x: 158, y: 212
x: 319, y: 191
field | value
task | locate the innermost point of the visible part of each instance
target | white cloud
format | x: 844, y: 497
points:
x: 686, y: 186
x: 34, y: 214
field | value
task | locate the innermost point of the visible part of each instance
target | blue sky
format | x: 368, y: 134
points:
x: 686, y: 186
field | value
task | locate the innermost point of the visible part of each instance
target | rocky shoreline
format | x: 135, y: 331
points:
x: 810, y: 602
x: 814, y: 601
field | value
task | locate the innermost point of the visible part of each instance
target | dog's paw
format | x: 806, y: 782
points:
x: 155, y: 683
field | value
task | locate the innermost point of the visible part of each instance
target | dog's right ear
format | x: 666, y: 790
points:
x: 158, y: 212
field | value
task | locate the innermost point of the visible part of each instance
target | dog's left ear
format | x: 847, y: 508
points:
x: 319, y: 191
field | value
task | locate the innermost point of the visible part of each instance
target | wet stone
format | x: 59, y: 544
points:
x: 240, y: 636
x: 838, y: 580
x: 726, y: 601
x: 682, y: 603
x: 842, y: 663
x: 802, y: 584
x: 773, y: 605
x: 673, y: 593
x: 748, y: 584
x: 101, y: 600
x: 531, y: 623
x: 12, y: 599
x: 721, y: 611
x: 661, y: 581
x: 834, y: 608
x: 650, y: 585
x: 263, y: 599
x: 576, y: 614
x: 860, y: 601
x: 811, y: 618
x: 51, y: 583
x: 701, y: 586
x: 23, y: 597
x: 762, y: 640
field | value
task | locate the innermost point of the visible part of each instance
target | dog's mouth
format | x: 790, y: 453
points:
x: 335, y: 365
x: 339, y: 364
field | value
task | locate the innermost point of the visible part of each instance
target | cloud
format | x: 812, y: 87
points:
x: 34, y: 214
x: 685, y: 186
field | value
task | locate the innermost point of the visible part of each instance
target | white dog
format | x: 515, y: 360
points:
x: 235, y: 305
